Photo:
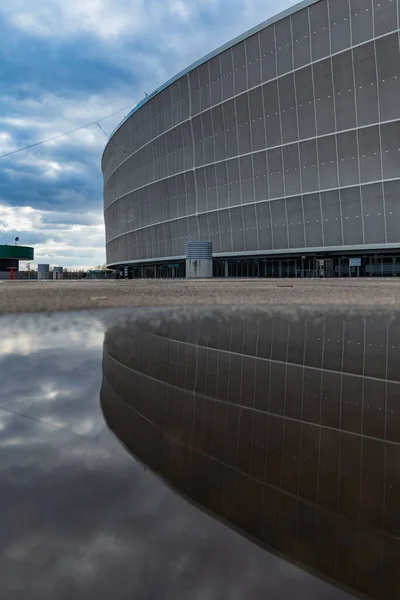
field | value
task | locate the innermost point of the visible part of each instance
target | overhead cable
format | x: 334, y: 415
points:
x: 61, y: 135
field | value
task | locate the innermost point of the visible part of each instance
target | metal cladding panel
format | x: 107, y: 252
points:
x: 348, y: 158
x: 253, y: 58
x: 231, y: 134
x: 260, y: 174
x: 373, y: 213
x: 309, y: 166
x: 272, y: 114
x: 284, y: 52
x: 205, y: 88
x: 339, y: 17
x: 247, y: 179
x: 319, y: 25
x: 324, y: 101
x: 184, y: 98
x: 239, y: 68
x: 208, y: 137
x: 366, y: 84
x: 227, y: 74
x: 291, y: 165
x: 275, y: 173
x: 294, y: 208
x: 279, y: 224
x: 182, y: 207
x: 385, y: 16
x: 225, y: 231
x: 268, y: 54
x: 352, y: 216
x: 235, y: 197
x: 343, y: 83
x: 313, y: 221
x: 361, y: 15
x: 327, y: 162
x: 370, y: 155
x: 287, y: 101
x: 237, y: 228
x: 194, y: 87
x: 215, y: 80
x: 201, y: 190
x: 219, y: 133
x: 295, y: 126
x: 250, y: 228
x: 388, y: 76
x: 332, y: 218
x: 204, y: 234
x: 211, y: 187
x: 214, y: 229
x: 263, y: 216
x: 243, y: 124
x: 222, y: 184
x: 301, y: 39
x: 305, y: 103
x: 257, y: 125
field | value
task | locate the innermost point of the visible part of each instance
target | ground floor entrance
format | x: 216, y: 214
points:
x: 319, y: 266
x: 310, y: 267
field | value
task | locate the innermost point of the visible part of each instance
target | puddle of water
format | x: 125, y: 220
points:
x: 283, y: 425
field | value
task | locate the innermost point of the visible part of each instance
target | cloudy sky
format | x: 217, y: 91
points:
x: 66, y: 64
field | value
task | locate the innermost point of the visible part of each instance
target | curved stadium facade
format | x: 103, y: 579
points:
x: 282, y: 148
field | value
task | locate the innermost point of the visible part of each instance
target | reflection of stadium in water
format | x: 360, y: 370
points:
x: 287, y: 426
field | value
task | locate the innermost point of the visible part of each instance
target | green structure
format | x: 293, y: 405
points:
x: 10, y: 257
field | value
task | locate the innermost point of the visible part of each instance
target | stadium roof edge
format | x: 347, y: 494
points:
x: 271, y: 21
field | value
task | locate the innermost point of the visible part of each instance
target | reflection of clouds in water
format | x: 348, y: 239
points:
x: 24, y: 334
x: 53, y: 369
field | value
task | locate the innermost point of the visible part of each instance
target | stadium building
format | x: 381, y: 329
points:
x: 282, y: 148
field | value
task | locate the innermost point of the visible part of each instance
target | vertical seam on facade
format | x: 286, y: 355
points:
x: 252, y: 152
x: 335, y: 140
x: 379, y: 126
x: 316, y: 124
x: 196, y: 193
x: 357, y: 122
x: 240, y: 209
x: 228, y: 195
x: 281, y: 149
x: 213, y: 146
x: 265, y: 151
x: 297, y: 144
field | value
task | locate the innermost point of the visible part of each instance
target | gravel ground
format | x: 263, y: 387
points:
x: 46, y: 296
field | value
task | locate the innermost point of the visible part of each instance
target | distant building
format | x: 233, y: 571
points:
x: 281, y: 148
x: 10, y: 257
